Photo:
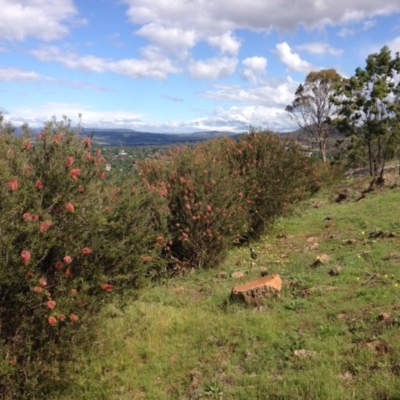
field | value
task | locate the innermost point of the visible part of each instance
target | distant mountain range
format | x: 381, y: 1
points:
x: 129, y: 137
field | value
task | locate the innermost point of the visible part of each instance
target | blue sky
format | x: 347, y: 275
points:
x: 179, y: 66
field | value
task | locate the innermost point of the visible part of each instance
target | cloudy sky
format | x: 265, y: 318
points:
x: 179, y: 65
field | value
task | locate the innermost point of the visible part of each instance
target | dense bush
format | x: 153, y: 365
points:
x: 68, y: 241
x: 275, y: 173
x: 207, y: 208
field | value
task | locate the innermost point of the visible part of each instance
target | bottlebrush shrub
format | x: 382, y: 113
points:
x: 207, y: 212
x: 275, y: 174
x: 68, y: 241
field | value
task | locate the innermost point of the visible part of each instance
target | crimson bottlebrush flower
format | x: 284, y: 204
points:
x: 13, y: 184
x: 70, y: 207
x: 87, y: 142
x: 26, y: 216
x: 39, y: 184
x: 44, y: 226
x: 88, y: 156
x: 52, y: 320
x: 208, y: 208
x: 67, y: 260
x: 73, y: 291
x: 57, y: 137
x: 73, y: 317
x: 35, y: 217
x: 28, y: 169
x: 106, y: 287
x: 51, y: 304
x: 74, y: 173
x: 69, y: 161
x: 37, y: 289
x: 61, y: 317
x: 101, y: 174
x: 58, y: 265
x: 42, y: 282
x: 159, y: 239
x: 68, y: 273
x: 25, y: 257
x: 27, y: 145
x: 29, y: 275
x: 86, y: 251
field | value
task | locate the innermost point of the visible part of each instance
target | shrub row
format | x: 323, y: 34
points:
x: 70, y: 237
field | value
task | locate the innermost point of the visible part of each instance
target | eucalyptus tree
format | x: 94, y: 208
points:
x: 370, y: 109
x: 312, y: 109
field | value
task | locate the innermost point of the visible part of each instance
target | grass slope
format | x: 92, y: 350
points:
x: 186, y: 338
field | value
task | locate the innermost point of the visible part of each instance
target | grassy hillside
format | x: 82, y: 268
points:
x: 334, y: 333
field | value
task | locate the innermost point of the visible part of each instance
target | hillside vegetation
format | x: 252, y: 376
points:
x: 334, y: 333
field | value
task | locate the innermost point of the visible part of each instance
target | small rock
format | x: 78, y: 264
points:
x: 335, y: 271
x: 253, y: 292
x: 195, y: 394
x: 384, y: 317
x: 237, y: 274
x: 313, y: 246
x: 303, y: 353
x: 392, y: 234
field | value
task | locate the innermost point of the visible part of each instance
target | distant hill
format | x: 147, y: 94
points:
x: 129, y: 137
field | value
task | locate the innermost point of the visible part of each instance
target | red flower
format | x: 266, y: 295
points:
x: 146, y: 258
x: 68, y: 273
x: 87, y: 142
x: 73, y: 291
x: 29, y: 275
x: 25, y: 257
x: 38, y: 184
x: 88, y: 156
x: 28, y: 169
x: 26, y: 217
x: 81, y: 188
x: 42, y: 282
x: 27, y: 145
x: 57, y: 137
x: 160, y: 239
x: 13, y: 184
x: 51, y: 304
x: 75, y: 173
x: 208, y: 208
x: 44, y: 226
x: 73, y: 317
x: 52, y: 320
x: 61, y: 317
x: 187, y: 206
x: 106, y: 287
x: 70, y: 207
x: 37, y: 289
x: 86, y: 251
x: 35, y: 217
x: 101, y: 174
x: 67, y: 260
x: 58, y: 265
x: 69, y: 161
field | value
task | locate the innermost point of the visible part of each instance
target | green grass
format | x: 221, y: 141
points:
x: 187, y: 336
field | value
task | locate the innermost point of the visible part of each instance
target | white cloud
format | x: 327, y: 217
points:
x: 227, y: 43
x: 344, y: 32
x: 254, y: 68
x: 292, y: 60
x: 272, y: 93
x: 394, y: 45
x: 168, y: 38
x: 156, y: 66
x: 11, y: 74
x: 212, y: 68
x: 319, y: 48
x: 42, y: 19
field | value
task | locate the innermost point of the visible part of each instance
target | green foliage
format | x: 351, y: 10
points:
x: 370, y: 111
x: 311, y: 108
x: 67, y: 239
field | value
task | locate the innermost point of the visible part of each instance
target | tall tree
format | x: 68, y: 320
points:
x: 312, y: 108
x: 370, y: 109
